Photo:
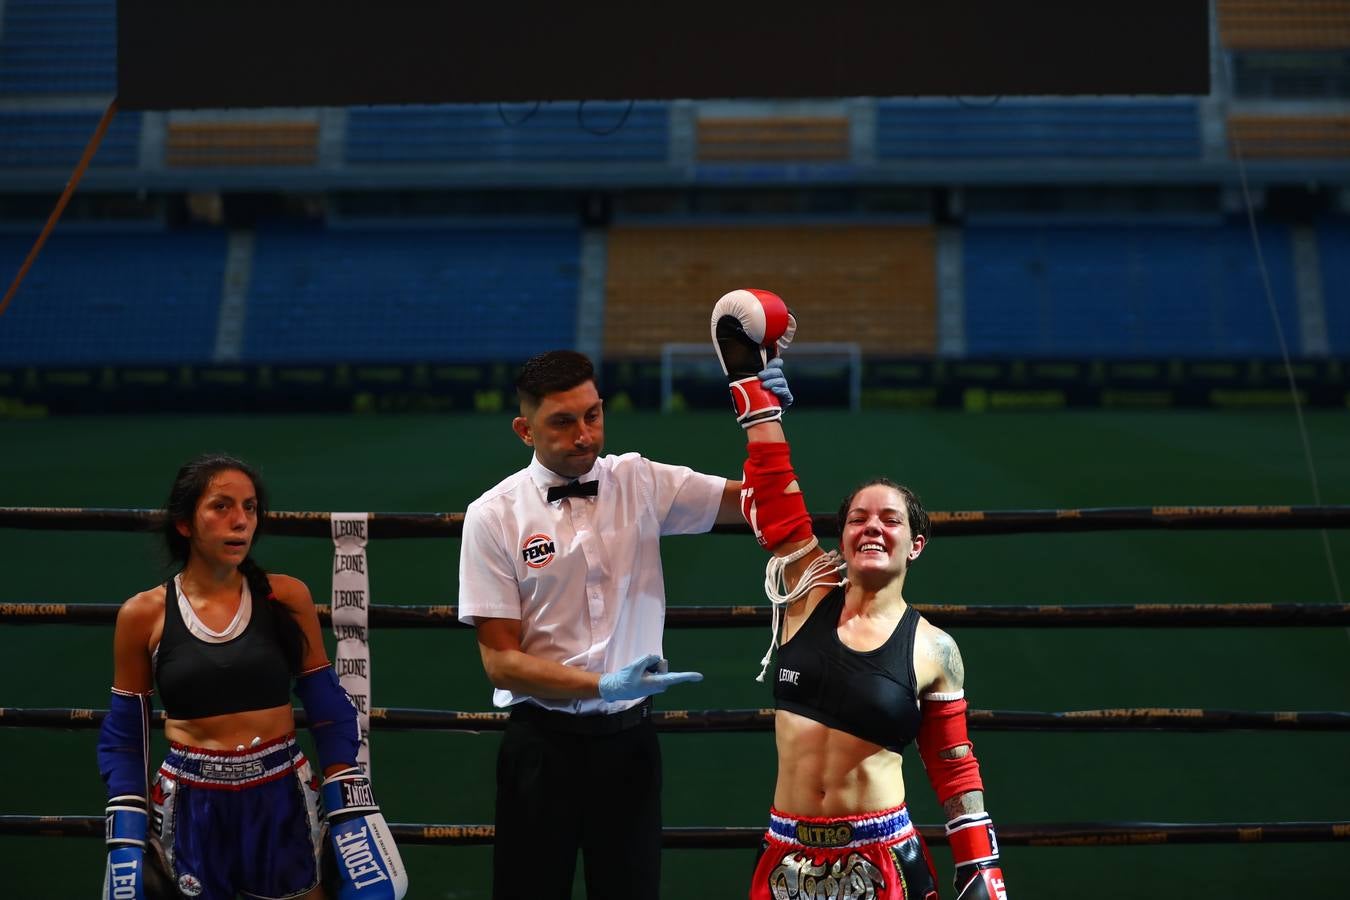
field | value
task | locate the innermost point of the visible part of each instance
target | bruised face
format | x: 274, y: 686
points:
x: 566, y: 429
x: 876, y: 541
x: 225, y: 520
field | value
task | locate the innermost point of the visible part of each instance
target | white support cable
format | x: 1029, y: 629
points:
x: 1284, y: 345
x: 818, y: 574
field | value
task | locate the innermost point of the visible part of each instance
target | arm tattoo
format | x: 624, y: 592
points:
x: 949, y: 658
x: 962, y: 804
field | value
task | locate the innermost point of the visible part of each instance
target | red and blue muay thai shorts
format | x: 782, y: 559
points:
x: 872, y: 856
x: 238, y: 822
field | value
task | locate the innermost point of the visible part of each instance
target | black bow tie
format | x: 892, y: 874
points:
x: 573, y: 489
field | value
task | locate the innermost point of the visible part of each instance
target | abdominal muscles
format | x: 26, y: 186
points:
x: 826, y: 772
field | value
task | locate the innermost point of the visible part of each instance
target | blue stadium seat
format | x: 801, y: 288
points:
x: 1026, y: 129
x: 443, y: 295
x: 480, y: 133
x: 58, y: 47
x: 56, y: 138
x: 1125, y: 291
x: 114, y: 298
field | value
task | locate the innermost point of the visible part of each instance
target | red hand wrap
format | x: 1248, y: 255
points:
x: 942, y: 726
x: 775, y: 515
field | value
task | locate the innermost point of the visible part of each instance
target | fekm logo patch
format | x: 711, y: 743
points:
x: 537, y: 551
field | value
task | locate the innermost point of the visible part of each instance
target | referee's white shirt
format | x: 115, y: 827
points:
x: 582, y: 574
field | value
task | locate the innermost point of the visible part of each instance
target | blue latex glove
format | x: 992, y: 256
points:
x: 775, y: 382
x: 642, y: 677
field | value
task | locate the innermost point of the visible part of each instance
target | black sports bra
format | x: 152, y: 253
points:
x: 871, y: 695
x: 196, y: 678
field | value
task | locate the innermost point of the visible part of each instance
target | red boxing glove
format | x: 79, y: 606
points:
x: 775, y: 515
x: 975, y: 852
x: 749, y: 328
x: 986, y: 885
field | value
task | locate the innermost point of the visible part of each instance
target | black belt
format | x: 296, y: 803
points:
x: 576, y: 723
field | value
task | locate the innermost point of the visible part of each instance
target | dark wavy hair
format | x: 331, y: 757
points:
x: 188, y: 487
x: 551, y: 373
x: 914, y: 511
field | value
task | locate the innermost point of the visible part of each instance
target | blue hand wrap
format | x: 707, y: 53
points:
x: 124, y: 745
x: 332, y: 717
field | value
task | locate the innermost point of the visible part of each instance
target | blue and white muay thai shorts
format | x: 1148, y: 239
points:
x: 228, y: 822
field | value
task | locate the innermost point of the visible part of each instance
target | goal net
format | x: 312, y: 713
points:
x: 692, y: 370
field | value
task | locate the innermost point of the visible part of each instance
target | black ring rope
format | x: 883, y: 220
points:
x: 948, y: 524
x: 1056, y: 834
x: 388, y: 525
x: 1134, y: 615
x: 749, y: 720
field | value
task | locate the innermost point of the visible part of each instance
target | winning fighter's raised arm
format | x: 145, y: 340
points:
x: 859, y: 673
x: 750, y: 330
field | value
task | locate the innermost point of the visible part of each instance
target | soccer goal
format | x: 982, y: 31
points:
x: 696, y: 362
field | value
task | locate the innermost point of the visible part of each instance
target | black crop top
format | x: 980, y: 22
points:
x: 870, y: 695
x: 196, y: 679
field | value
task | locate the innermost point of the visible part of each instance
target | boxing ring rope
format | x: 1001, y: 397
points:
x: 750, y: 720
x: 966, y: 523
x: 962, y: 523
x: 1133, y: 615
x: 1073, y: 834
x: 952, y: 524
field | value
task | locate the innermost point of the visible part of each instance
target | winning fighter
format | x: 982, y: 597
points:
x: 859, y: 673
x: 234, y: 806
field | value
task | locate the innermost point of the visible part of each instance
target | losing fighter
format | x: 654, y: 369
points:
x: 858, y: 672
x: 234, y: 808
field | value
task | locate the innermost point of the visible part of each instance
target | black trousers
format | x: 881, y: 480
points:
x: 568, y: 782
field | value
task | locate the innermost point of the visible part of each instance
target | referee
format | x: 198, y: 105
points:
x: 560, y: 573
